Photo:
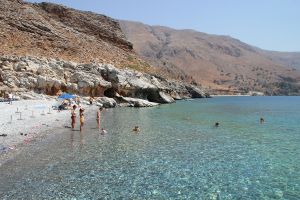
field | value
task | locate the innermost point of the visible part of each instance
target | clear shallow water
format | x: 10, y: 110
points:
x: 177, y: 155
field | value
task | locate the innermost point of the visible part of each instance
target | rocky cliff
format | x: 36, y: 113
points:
x: 221, y: 63
x: 53, y: 76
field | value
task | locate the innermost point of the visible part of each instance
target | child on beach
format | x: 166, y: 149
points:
x: 81, y: 115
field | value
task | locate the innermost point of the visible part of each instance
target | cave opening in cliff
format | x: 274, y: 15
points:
x: 110, y: 92
x: 148, y: 94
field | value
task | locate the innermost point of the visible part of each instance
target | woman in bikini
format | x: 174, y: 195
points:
x: 98, y: 117
x: 73, y: 117
x: 81, y: 115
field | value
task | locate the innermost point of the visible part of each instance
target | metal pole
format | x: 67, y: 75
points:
x: 20, y: 117
x: 11, y: 118
x: 17, y: 110
x: 32, y: 115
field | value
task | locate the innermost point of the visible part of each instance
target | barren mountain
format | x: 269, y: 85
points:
x: 49, y: 49
x: 221, y: 63
x: 55, y: 31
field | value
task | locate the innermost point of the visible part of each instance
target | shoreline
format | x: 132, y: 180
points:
x: 27, y: 121
x: 230, y: 95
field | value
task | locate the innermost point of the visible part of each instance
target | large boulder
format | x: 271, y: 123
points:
x: 195, y: 91
x: 138, y: 102
x: 89, y: 84
x: 165, y: 98
x: 20, y: 66
x: 106, y: 102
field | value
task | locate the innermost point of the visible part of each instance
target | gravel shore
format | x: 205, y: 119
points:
x: 23, y: 121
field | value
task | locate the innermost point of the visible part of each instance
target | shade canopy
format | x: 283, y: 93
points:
x: 66, y: 96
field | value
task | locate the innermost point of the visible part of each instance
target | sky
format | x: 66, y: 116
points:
x: 268, y: 24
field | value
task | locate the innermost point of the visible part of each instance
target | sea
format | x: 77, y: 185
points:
x: 178, y: 153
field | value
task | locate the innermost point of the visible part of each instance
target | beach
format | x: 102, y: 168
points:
x: 22, y: 122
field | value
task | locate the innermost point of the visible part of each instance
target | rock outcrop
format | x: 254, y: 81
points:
x: 104, y: 82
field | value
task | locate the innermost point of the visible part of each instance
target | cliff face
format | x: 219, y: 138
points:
x: 53, y: 76
x: 55, y: 31
x: 221, y: 63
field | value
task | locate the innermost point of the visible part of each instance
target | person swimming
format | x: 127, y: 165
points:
x: 81, y: 115
x: 262, y: 120
x: 103, y: 131
x: 136, y: 129
x: 217, y: 124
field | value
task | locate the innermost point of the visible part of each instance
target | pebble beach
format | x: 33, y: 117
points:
x: 24, y: 121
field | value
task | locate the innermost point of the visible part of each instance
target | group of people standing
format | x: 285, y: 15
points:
x: 73, y: 117
x: 81, y: 117
x: 136, y: 129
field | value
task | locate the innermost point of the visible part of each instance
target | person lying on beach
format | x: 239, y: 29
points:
x: 136, y: 129
x: 73, y: 117
x: 81, y: 115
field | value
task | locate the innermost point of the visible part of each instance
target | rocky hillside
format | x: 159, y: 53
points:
x: 223, y: 64
x: 53, y: 76
x: 44, y: 45
x: 55, y: 31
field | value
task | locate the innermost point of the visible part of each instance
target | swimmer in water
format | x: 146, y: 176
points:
x: 136, y: 129
x: 262, y: 120
x: 103, y: 131
x: 217, y: 124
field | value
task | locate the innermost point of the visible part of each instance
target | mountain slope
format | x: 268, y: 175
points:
x: 55, y: 31
x: 221, y: 63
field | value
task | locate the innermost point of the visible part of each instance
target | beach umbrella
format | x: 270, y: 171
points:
x: 66, y: 96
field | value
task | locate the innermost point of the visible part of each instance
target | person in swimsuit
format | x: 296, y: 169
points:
x: 81, y: 115
x: 262, y: 120
x: 98, y: 117
x: 73, y: 117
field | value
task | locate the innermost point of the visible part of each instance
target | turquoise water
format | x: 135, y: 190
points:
x: 178, y: 154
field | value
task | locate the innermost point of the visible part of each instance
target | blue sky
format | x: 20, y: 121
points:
x: 268, y: 24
